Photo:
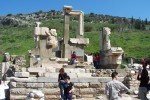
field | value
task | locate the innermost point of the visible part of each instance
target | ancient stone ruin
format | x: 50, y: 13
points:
x: 42, y: 74
x: 111, y: 57
x: 79, y: 42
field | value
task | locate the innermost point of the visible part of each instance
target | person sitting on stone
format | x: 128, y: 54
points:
x: 68, y: 89
x: 73, y: 58
x: 61, y: 80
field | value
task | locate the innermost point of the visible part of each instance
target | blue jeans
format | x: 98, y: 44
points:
x: 73, y: 61
x: 68, y: 97
x: 61, y: 86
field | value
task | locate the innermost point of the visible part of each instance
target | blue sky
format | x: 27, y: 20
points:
x: 123, y: 8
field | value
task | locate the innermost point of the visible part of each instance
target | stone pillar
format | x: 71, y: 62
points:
x: 81, y: 26
x: 66, y: 36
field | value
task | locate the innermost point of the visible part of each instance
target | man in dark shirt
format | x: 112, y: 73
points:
x: 144, y: 79
x: 68, y: 88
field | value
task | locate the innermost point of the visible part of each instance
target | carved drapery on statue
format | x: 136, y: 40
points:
x: 51, y: 39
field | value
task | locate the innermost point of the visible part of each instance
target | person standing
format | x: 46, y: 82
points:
x: 97, y: 61
x: 61, y: 80
x: 144, y: 79
x: 73, y: 58
x: 3, y: 86
x: 68, y: 89
x: 115, y: 88
x: 94, y: 60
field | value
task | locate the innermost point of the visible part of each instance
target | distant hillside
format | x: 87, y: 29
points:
x: 133, y: 35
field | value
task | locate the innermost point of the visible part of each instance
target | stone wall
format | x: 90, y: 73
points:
x: 84, y: 87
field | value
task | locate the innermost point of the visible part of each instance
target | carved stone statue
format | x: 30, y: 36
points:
x: 52, y: 38
x: 106, y: 40
x: 44, y: 31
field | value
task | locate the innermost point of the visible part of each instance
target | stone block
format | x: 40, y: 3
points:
x: 17, y: 97
x: 76, y: 91
x: 104, y: 79
x: 72, y: 75
x: 51, y: 75
x: 21, y: 74
x: 80, y: 75
x: 18, y: 91
x: 30, y: 79
x: 81, y: 85
x: 88, y: 79
x: 74, y: 70
x: 50, y: 85
x: 55, y: 65
x: 95, y: 85
x: 35, y: 85
x: 36, y: 69
x: 13, y: 84
x: 21, y: 85
x: 87, y: 96
x: 50, y: 70
x: 23, y: 69
x: 84, y: 91
x: 52, y: 97
x: 74, y: 80
x: 47, y: 79
x: 46, y: 91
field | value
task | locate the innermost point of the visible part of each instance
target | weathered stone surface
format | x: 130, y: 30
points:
x: 30, y: 79
x: 17, y: 97
x: 84, y: 75
x: 50, y: 85
x: 72, y: 75
x: 51, y: 75
x: 76, y: 91
x: 74, y: 70
x: 53, y: 65
x: 75, y: 80
x: 104, y: 79
x: 23, y: 69
x: 89, y: 79
x: 35, y: 85
x: 95, y: 85
x: 18, y: 91
x: 84, y: 91
x: 12, y: 84
x: 52, y: 97
x: 36, y: 69
x: 87, y: 96
x: 21, y: 85
x: 55, y: 91
x: 81, y: 85
x: 21, y: 74
x: 47, y: 79
x: 50, y: 70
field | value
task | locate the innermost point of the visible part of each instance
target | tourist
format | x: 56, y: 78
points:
x: 73, y: 58
x: 68, y: 88
x: 61, y: 80
x: 144, y: 63
x: 3, y: 87
x: 144, y: 79
x: 97, y: 61
x: 115, y: 88
x: 94, y: 60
